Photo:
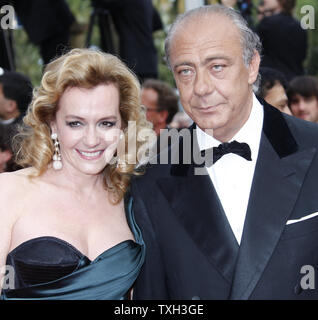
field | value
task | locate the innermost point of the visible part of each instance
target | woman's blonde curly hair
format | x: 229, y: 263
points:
x: 85, y: 68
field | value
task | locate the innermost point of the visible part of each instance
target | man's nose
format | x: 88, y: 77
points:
x: 203, y: 83
x: 302, y: 105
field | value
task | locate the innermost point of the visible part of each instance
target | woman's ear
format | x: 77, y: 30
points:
x: 53, y: 127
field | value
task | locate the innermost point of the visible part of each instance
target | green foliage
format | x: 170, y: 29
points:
x: 311, y: 62
x: 27, y: 57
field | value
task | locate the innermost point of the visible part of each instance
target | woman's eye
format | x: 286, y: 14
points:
x: 107, y: 124
x: 74, y: 124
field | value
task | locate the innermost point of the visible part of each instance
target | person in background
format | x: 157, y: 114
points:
x: 135, y: 21
x: 273, y: 89
x: 244, y: 6
x: 161, y: 103
x: 47, y: 24
x: 180, y: 121
x: 228, y: 3
x: 302, y: 96
x: 266, y: 8
x: 283, y: 39
x: 7, y: 56
x: 5, y: 152
x: 15, y: 97
x: 67, y: 227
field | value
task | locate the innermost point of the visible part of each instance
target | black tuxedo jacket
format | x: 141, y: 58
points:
x: 192, y: 252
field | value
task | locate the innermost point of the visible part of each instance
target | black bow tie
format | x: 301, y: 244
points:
x: 241, y: 149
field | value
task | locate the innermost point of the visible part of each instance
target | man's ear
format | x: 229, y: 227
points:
x: 253, y: 68
x: 11, y: 106
x: 163, y: 115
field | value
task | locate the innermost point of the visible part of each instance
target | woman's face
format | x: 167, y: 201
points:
x: 88, y: 125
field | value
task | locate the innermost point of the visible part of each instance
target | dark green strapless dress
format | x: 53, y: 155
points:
x: 49, y: 268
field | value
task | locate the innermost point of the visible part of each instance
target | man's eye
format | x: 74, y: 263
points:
x: 218, y: 67
x: 185, y: 72
x: 74, y: 124
x: 309, y: 99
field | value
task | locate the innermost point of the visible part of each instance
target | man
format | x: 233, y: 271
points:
x: 246, y: 228
x: 15, y: 96
x: 273, y: 89
x: 303, y: 98
x: 47, y: 24
x: 5, y: 152
x: 135, y: 21
x: 161, y: 103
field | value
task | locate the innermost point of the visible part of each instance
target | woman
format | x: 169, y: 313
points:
x: 66, y: 223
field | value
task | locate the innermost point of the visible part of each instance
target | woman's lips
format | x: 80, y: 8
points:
x: 90, y: 155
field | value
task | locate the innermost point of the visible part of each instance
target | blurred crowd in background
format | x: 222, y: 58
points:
x: 126, y: 28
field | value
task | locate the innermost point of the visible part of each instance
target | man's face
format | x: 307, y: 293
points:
x: 276, y: 96
x: 149, y: 98
x: 304, y: 108
x: 214, y: 84
x: 4, y: 104
x: 270, y: 4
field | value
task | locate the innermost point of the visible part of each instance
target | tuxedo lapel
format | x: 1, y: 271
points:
x: 197, y: 207
x: 278, y: 177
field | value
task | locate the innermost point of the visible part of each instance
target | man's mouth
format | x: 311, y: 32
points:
x: 207, y: 108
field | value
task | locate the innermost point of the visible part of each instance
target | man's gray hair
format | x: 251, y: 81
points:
x: 250, y: 40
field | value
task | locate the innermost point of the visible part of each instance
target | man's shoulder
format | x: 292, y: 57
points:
x: 150, y: 172
x: 160, y: 165
x: 305, y: 132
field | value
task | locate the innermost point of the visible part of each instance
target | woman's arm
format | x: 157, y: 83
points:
x: 6, y: 222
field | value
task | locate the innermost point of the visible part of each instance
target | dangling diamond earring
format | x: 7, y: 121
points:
x: 57, y: 163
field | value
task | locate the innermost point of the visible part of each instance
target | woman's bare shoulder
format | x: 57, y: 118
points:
x: 15, y: 177
x: 14, y: 185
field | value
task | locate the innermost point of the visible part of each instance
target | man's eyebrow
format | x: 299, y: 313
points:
x: 184, y: 63
x: 220, y: 57
x: 205, y: 62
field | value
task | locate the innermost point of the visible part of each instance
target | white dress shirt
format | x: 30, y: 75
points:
x: 6, y: 122
x: 232, y: 174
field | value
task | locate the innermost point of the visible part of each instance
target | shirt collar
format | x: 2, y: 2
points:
x: 6, y: 122
x: 250, y: 133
